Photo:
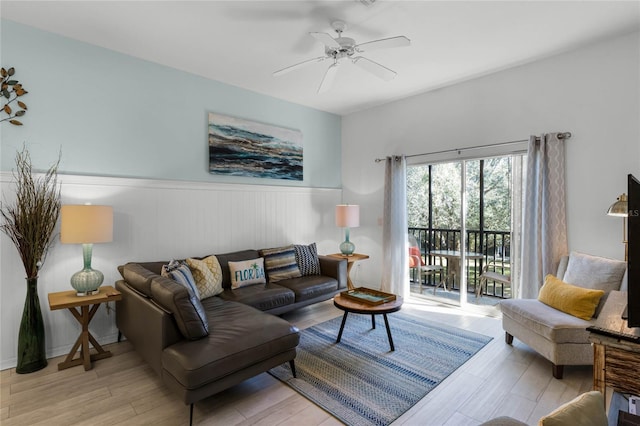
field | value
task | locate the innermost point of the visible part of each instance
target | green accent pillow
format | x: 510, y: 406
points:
x: 570, y: 299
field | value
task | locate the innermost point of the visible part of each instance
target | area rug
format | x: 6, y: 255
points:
x: 360, y: 381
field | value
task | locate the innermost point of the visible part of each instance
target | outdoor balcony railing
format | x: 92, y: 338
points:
x: 494, y: 245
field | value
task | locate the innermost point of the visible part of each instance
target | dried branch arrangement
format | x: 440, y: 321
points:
x: 11, y: 90
x: 31, y: 219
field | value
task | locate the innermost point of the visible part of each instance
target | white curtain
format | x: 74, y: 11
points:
x: 395, y: 278
x: 544, y: 232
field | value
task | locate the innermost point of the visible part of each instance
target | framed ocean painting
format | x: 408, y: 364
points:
x: 239, y: 147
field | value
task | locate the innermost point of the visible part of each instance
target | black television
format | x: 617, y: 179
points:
x: 633, y: 258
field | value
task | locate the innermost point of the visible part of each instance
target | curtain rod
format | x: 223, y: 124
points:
x: 563, y: 135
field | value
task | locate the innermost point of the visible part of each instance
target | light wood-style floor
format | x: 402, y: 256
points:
x: 123, y: 390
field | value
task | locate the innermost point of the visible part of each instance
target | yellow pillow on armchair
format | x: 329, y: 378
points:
x: 570, y: 299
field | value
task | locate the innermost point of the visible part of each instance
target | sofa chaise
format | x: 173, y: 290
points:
x: 200, y: 347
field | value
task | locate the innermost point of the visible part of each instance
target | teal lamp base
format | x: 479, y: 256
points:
x: 347, y: 247
x: 87, y: 281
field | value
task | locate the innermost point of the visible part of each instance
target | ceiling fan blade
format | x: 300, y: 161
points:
x: 326, y: 39
x: 374, y: 68
x: 384, y: 43
x: 329, y: 76
x: 299, y: 65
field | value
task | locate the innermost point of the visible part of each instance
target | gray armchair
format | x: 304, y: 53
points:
x: 559, y: 337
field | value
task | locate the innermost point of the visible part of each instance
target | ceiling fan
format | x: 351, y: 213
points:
x: 344, y: 48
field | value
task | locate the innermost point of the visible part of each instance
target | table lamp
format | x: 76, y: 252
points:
x: 347, y: 216
x: 86, y: 224
x: 621, y: 209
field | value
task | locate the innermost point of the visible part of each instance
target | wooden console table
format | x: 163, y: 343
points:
x: 616, y: 362
x: 84, y: 315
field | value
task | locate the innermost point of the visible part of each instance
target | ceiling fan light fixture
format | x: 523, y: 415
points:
x: 341, y: 47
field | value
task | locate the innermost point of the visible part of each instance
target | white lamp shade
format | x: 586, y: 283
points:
x: 86, y: 224
x: 347, y: 216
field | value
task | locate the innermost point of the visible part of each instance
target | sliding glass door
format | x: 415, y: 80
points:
x: 462, y: 214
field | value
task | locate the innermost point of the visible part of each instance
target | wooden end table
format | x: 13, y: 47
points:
x: 351, y: 260
x: 616, y: 361
x: 353, y: 306
x: 83, y: 308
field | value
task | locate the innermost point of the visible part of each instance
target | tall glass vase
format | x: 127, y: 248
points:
x: 31, y: 350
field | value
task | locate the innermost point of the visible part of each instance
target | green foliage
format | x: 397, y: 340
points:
x: 10, y: 91
x: 31, y: 219
x: 446, y: 195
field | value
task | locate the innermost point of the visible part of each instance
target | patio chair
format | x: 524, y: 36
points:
x: 488, y: 275
x: 417, y: 263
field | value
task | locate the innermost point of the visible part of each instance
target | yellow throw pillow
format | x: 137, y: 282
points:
x: 207, y: 274
x: 570, y: 299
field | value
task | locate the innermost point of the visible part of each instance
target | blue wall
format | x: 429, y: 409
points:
x: 114, y: 115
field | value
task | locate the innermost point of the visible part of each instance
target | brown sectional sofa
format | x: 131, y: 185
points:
x: 227, y: 338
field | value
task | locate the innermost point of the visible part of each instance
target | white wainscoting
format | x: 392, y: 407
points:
x: 159, y: 220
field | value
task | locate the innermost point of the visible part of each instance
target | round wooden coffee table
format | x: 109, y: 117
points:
x: 355, y: 307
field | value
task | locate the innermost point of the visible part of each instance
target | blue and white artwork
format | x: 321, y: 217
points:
x: 240, y: 147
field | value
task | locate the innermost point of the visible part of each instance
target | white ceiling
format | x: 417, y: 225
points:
x: 243, y: 42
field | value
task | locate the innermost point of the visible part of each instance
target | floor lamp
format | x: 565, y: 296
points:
x: 621, y: 209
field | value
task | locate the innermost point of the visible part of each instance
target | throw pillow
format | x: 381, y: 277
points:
x: 247, y: 272
x: 594, y: 272
x: 207, y: 274
x: 180, y: 272
x: 585, y: 410
x: 570, y: 299
x: 280, y: 263
x: 307, y: 259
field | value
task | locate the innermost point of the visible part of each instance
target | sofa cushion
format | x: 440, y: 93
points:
x: 310, y: 287
x: 262, y: 297
x: 235, y: 256
x: 280, y: 263
x: 587, y: 409
x: 180, y: 272
x: 594, y: 272
x: 207, y: 274
x: 247, y: 272
x: 186, y: 308
x: 307, y: 259
x: 138, y: 277
x: 253, y: 337
x: 573, y: 300
x: 546, y: 321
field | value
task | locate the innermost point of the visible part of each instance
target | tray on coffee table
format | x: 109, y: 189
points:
x: 368, y: 296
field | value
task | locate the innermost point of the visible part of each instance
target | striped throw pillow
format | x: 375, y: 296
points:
x: 280, y: 263
x: 180, y: 272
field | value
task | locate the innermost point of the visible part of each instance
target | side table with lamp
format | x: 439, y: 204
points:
x: 86, y: 225
x: 347, y: 217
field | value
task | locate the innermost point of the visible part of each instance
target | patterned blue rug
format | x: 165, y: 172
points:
x: 360, y: 381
